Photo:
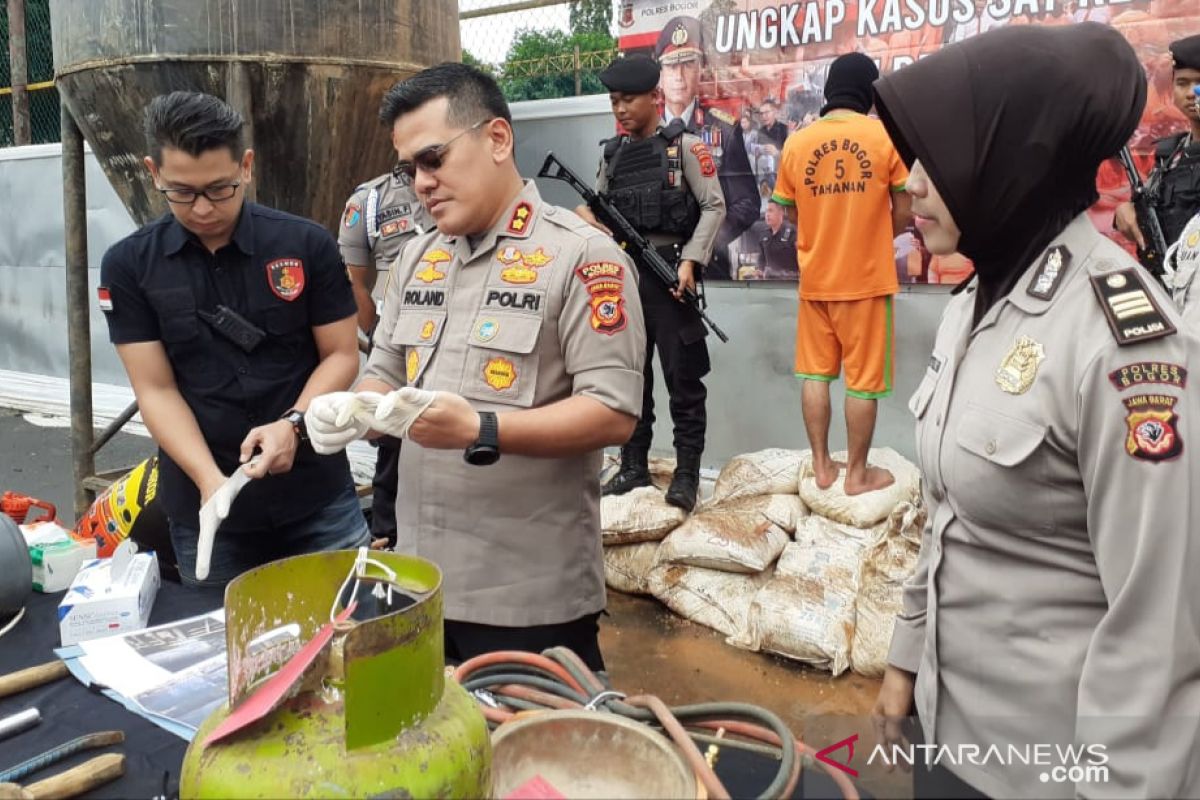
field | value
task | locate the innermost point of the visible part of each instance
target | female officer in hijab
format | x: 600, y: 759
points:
x: 1055, y: 425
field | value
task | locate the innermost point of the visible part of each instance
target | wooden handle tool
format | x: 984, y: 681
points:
x: 15, y: 682
x: 77, y: 780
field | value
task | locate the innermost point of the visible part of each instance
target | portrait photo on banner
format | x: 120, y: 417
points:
x: 745, y: 74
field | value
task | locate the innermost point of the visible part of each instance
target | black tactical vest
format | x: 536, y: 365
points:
x: 645, y: 182
x: 1176, y: 184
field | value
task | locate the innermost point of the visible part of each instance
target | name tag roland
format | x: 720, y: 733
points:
x: 425, y: 297
x: 507, y: 298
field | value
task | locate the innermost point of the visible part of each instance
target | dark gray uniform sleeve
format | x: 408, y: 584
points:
x: 700, y: 174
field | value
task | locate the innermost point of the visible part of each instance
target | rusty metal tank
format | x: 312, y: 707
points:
x: 308, y: 76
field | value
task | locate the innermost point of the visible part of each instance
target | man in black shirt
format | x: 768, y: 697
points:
x: 229, y: 317
x: 772, y: 131
x: 776, y: 240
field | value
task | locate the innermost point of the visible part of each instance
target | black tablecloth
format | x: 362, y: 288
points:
x: 154, y: 756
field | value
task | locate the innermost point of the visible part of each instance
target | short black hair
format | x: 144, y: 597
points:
x: 192, y: 122
x: 473, y: 95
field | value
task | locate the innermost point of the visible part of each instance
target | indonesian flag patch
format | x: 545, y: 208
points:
x: 105, y: 298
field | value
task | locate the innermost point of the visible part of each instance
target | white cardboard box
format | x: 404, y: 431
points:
x: 109, y: 596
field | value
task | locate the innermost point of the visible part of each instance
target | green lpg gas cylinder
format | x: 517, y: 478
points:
x: 374, y: 715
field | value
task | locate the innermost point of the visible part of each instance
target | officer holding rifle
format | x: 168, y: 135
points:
x: 664, y: 181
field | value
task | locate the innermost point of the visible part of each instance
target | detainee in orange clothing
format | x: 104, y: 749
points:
x: 843, y: 183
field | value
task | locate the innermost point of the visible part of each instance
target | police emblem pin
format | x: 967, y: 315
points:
x: 1018, y: 370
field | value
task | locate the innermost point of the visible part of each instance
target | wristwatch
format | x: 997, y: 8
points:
x: 486, y: 449
x: 297, y: 419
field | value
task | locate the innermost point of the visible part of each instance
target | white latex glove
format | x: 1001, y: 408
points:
x: 336, y: 419
x: 213, y: 513
x: 398, y: 410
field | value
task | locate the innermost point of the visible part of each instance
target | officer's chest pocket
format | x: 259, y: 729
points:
x: 418, y: 333
x: 285, y: 319
x: 176, y: 311
x: 501, y: 364
x: 1000, y: 472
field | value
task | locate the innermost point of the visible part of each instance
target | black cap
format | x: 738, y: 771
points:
x: 1186, y: 53
x: 632, y: 74
x: 680, y: 40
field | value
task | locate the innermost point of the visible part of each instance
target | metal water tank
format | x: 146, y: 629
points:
x: 308, y: 76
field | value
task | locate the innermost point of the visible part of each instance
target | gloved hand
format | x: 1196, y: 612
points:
x: 336, y: 419
x: 213, y: 513
x: 398, y: 410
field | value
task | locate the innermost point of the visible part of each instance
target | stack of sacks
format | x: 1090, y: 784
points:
x: 710, y: 568
x: 836, y: 590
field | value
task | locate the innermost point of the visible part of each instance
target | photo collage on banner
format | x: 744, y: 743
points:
x: 746, y: 73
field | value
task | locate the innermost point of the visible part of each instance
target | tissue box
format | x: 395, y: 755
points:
x: 55, y: 564
x: 105, y: 601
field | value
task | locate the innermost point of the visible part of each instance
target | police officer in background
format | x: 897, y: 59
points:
x: 381, y: 216
x: 517, y: 322
x: 776, y: 239
x: 675, y: 169
x: 1175, y: 180
x: 680, y: 52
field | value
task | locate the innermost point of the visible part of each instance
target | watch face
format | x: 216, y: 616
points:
x: 482, y: 456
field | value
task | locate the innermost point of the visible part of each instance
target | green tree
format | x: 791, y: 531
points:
x: 471, y: 61
x: 539, y: 64
x: 591, y: 16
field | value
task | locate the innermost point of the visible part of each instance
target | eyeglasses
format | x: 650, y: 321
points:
x: 214, y: 194
x: 430, y: 159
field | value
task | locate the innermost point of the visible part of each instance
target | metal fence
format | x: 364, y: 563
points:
x: 537, y: 49
x: 39, y: 61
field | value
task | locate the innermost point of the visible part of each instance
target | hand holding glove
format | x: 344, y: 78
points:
x: 336, y: 419
x: 396, y: 411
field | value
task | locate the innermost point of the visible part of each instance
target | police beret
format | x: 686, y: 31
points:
x: 633, y: 74
x: 1186, y: 53
x: 680, y: 40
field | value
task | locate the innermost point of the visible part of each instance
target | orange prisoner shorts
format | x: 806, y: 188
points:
x: 857, y: 333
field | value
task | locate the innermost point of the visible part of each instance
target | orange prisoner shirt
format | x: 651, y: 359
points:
x: 839, y: 173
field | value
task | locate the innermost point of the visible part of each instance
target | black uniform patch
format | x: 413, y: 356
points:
x: 1129, y: 308
x: 1046, y: 279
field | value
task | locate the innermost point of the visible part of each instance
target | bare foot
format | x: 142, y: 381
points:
x: 874, y: 479
x: 825, y: 474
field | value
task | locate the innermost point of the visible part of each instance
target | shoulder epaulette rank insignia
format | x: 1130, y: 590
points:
x: 723, y: 115
x: 1048, y: 277
x: 1129, y: 308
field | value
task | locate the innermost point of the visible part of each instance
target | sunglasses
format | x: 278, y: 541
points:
x: 430, y: 159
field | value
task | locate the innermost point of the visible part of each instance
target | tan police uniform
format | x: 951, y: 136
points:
x: 380, y: 218
x: 1054, y: 599
x: 692, y: 163
x: 542, y: 308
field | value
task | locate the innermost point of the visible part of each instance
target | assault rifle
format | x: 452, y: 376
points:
x: 1155, y: 251
x: 640, y: 250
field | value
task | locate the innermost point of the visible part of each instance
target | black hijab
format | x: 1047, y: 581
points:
x: 1012, y: 126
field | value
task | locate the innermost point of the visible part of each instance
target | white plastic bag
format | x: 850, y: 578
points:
x: 771, y: 471
x: 718, y: 600
x: 887, y: 563
x: 627, y: 566
x: 867, y: 509
x: 642, y: 515
x: 737, y: 536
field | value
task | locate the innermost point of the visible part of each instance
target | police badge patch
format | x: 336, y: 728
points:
x: 1019, y: 368
x: 352, y: 216
x: 286, y: 278
x: 1153, y: 427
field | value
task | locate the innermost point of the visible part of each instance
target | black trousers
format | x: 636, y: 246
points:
x: 384, y: 486
x: 677, y: 333
x: 465, y: 640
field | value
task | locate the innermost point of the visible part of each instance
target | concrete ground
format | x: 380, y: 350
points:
x: 648, y: 649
